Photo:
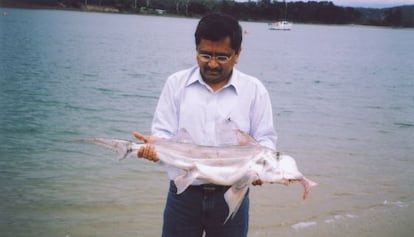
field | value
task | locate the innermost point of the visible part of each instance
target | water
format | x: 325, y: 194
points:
x: 343, y: 100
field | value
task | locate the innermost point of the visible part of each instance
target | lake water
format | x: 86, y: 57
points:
x: 343, y: 100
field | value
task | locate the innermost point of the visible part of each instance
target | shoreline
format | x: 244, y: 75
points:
x: 61, y: 6
x: 88, y: 8
x: 141, y: 11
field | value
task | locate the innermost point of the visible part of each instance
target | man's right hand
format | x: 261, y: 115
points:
x: 148, y: 151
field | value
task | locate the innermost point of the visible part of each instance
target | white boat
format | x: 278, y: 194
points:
x: 280, y: 25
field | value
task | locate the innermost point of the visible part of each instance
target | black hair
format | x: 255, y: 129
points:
x: 217, y: 26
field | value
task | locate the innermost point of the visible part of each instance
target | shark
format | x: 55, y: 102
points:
x: 234, y: 165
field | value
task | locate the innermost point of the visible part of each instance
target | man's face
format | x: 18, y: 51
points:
x: 216, y: 60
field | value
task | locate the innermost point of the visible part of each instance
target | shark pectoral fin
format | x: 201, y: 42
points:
x: 234, y: 197
x: 235, y: 194
x: 183, y: 181
x: 307, y: 185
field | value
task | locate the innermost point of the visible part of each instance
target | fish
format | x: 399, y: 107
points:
x: 231, y: 165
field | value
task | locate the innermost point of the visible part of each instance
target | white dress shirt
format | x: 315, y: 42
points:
x: 187, y: 102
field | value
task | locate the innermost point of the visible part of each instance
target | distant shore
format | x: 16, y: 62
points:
x: 60, y: 6
x: 86, y: 8
x: 390, y: 17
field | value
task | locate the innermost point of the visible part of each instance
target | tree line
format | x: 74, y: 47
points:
x: 321, y: 12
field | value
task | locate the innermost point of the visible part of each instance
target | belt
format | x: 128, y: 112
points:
x: 210, y: 188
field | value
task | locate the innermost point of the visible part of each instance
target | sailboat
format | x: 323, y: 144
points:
x: 281, y: 25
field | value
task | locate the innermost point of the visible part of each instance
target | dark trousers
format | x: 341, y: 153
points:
x: 202, y: 209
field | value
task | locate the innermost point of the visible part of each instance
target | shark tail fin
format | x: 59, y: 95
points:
x: 123, y: 148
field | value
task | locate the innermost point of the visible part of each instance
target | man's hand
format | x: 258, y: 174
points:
x: 148, y: 151
x: 257, y: 182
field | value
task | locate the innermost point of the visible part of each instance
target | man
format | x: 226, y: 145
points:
x: 198, y: 100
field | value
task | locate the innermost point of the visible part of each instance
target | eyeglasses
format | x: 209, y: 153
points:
x: 205, y: 58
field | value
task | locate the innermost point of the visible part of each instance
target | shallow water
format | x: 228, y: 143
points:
x: 343, y: 106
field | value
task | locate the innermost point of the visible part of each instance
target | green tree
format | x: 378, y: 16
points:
x: 393, y: 17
